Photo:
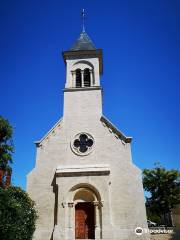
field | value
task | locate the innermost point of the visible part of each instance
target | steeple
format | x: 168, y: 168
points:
x: 83, y: 20
x: 83, y: 43
x: 83, y: 63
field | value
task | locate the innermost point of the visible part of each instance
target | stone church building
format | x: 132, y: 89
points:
x: 84, y: 182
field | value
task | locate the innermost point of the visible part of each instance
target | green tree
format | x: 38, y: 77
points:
x: 17, y: 210
x: 17, y: 214
x: 6, y: 143
x: 6, y: 150
x: 164, y: 186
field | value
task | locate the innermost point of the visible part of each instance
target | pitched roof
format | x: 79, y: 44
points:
x: 83, y: 43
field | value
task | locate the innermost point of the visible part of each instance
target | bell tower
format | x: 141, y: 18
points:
x: 83, y: 64
x: 83, y: 93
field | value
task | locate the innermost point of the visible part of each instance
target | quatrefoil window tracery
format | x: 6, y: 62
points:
x: 82, y: 143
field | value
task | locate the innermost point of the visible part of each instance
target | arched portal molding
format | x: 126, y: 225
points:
x: 82, y: 65
x: 83, y: 192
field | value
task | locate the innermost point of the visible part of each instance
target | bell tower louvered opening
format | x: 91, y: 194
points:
x: 78, y: 78
x: 87, y: 82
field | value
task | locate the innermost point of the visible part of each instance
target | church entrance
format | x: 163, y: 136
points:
x: 84, y: 221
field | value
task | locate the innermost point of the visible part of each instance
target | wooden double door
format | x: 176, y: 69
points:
x: 84, y: 221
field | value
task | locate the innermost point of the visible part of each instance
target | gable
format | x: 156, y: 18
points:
x: 115, y: 130
x: 103, y: 119
x: 48, y: 134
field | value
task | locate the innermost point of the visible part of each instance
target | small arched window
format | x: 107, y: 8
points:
x: 87, y: 82
x: 78, y: 78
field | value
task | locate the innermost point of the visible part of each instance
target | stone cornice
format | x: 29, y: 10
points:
x: 84, y: 54
x: 115, y: 130
x: 81, y: 89
x: 86, y: 170
x: 38, y: 143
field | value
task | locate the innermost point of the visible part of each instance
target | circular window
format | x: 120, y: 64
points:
x: 82, y: 143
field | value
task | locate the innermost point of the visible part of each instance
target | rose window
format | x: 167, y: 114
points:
x: 82, y: 143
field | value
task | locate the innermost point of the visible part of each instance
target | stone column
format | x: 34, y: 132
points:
x: 97, y: 207
x: 70, y: 220
x: 91, y: 77
x: 73, y: 78
x: 70, y: 205
x: 82, y: 78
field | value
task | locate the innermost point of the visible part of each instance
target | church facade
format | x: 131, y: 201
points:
x: 84, y: 182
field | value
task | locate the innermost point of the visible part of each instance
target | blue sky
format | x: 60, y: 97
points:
x: 141, y: 47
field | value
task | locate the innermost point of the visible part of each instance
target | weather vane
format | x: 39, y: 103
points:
x: 83, y: 18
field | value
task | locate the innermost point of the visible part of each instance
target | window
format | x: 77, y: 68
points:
x: 87, y: 77
x: 78, y: 78
x: 82, y: 144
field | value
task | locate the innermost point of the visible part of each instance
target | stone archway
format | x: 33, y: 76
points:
x: 86, y: 213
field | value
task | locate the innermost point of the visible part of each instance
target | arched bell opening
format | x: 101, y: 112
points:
x: 83, y: 74
x: 78, y: 78
x: 87, y: 80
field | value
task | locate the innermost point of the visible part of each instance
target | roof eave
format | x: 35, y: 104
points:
x: 117, y: 131
x: 38, y: 143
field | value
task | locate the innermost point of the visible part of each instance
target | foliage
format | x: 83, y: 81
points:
x: 6, y: 144
x: 17, y: 214
x: 152, y: 215
x: 164, y: 186
x: 17, y: 210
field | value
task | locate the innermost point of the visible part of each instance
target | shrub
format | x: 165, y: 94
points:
x: 17, y: 214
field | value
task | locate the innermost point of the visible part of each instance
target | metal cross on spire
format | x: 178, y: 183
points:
x: 83, y: 18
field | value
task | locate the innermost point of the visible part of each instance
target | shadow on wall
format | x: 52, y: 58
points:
x: 55, y: 190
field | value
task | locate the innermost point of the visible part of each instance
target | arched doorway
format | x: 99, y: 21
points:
x: 85, y: 215
x: 84, y: 221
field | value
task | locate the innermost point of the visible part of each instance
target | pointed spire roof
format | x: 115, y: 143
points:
x: 83, y: 43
